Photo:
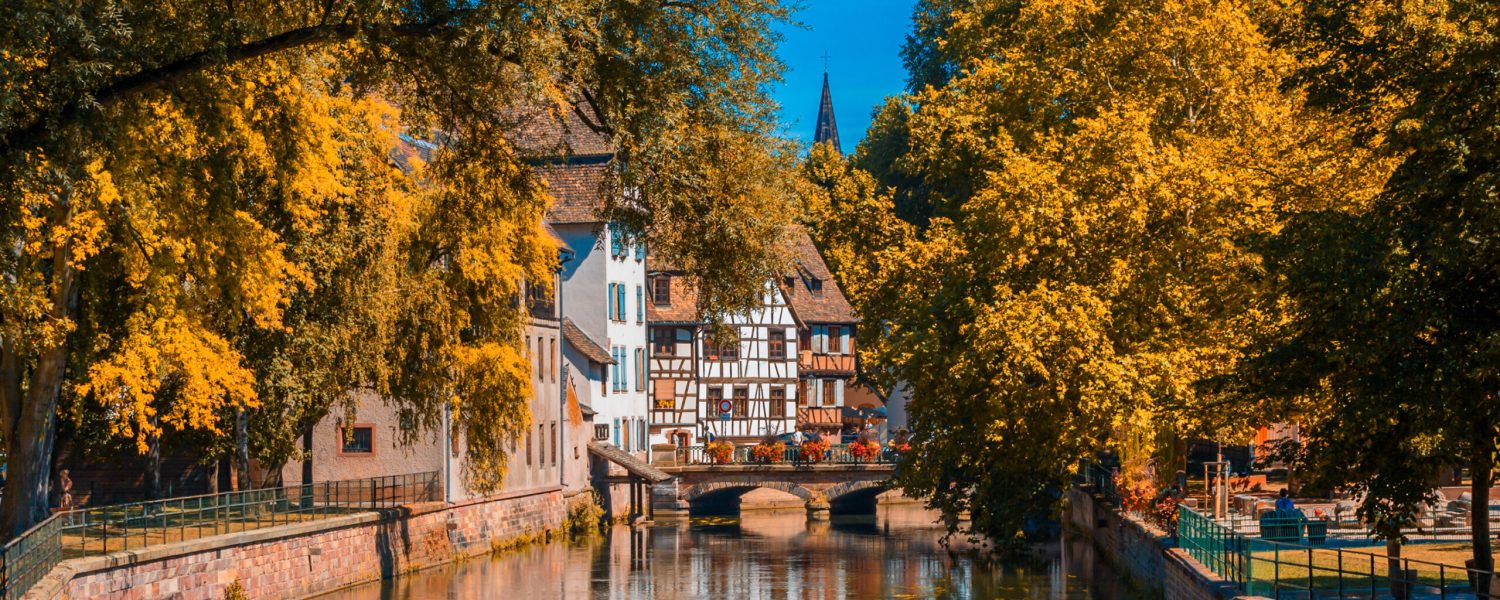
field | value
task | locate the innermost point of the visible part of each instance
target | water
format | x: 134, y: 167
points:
x: 895, y: 553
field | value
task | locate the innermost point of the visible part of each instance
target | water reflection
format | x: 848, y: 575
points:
x: 896, y: 553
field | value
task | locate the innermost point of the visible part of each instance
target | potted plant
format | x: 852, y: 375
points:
x: 864, y: 450
x: 814, y: 451
x: 768, y: 452
x: 719, y: 452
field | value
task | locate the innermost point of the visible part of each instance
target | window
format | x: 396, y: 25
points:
x: 601, y: 432
x: 640, y: 304
x: 661, y: 290
x: 715, y: 394
x: 528, y: 449
x: 552, y: 351
x: 359, y: 439
x: 662, y: 342
x: 829, y: 392
x: 619, y: 368
x: 640, y: 369
x: 554, y: 444
x: 662, y: 391
x: 815, y: 284
x: 541, y: 359
x: 620, y: 303
x: 611, y: 300
x: 616, y: 242
x: 778, y: 402
x: 741, y: 401
x: 541, y: 449
x: 728, y: 351
x: 835, y: 340
x: 778, y: 344
x: 627, y: 427
x: 640, y: 426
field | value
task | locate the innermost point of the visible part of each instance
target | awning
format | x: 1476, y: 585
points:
x: 632, y: 465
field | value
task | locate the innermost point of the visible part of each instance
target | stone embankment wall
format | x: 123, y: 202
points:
x: 295, y: 561
x: 1142, y: 552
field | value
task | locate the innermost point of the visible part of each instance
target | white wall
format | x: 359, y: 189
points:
x: 760, y: 377
x: 587, y: 283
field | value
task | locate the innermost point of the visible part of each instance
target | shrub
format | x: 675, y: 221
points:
x: 864, y: 450
x: 768, y: 452
x: 720, y: 452
x: 814, y: 451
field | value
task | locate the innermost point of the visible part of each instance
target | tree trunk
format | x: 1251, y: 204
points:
x: 153, y: 466
x: 242, y: 448
x: 1393, y: 567
x: 1482, y: 466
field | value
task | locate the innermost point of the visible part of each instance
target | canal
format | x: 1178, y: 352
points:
x: 896, y: 553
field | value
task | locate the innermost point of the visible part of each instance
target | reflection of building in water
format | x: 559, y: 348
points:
x: 762, y: 556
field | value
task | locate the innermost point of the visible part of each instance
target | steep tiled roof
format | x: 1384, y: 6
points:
x: 576, y: 338
x: 578, y: 191
x: 827, y: 306
x: 684, y: 306
x: 539, y: 133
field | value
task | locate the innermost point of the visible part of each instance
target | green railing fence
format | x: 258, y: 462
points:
x: 101, y: 530
x: 1277, y: 569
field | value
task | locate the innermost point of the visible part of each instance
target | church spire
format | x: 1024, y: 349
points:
x: 827, y: 130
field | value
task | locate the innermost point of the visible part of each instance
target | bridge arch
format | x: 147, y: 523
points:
x: 714, y: 487
x: 855, y: 496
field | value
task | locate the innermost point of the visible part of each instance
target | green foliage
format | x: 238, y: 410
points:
x: 1096, y: 174
x: 201, y: 214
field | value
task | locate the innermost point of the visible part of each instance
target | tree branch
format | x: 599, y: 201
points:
x: 150, y: 79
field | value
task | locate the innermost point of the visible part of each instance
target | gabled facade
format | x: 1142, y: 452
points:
x: 741, y: 388
x: 825, y: 328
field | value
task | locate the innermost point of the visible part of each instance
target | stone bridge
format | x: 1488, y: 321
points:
x: 822, y: 487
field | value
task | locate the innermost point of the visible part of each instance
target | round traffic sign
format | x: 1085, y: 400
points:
x: 726, y: 406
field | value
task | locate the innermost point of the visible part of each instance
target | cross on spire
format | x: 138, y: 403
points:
x: 827, y: 130
x: 825, y: 60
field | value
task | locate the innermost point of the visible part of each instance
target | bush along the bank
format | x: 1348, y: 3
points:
x: 585, y: 516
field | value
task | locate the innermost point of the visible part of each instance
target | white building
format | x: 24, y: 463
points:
x: 605, y: 284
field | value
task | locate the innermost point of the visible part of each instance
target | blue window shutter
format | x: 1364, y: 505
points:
x: 640, y: 304
x: 620, y: 307
x: 617, y: 432
x: 611, y: 299
x: 616, y: 244
x: 640, y: 250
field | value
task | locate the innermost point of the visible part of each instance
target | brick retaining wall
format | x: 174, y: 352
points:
x: 295, y: 561
x: 1139, y: 551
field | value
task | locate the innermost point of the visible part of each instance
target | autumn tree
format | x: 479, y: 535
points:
x: 1392, y: 322
x: 1095, y: 172
x: 188, y: 193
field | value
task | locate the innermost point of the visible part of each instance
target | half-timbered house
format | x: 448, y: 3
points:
x: 825, y: 330
x: 738, y: 382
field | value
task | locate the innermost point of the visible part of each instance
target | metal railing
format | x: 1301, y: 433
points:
x: 793, y: 455
x: 1261, y: 567
x: 102, y: 530
x: 1102, y: 479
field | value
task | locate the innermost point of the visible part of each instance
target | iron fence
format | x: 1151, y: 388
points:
x: 101, y: 530
x: 1261, y: 567
x: 1102, y: 479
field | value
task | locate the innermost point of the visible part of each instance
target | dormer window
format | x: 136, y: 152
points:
x: 815, y: 284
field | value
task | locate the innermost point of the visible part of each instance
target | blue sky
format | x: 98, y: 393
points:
x: 863, y: 39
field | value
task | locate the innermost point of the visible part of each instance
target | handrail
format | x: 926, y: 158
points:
x: 100, y: 530
x: 792, y: 455
x: 1261, y: 567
